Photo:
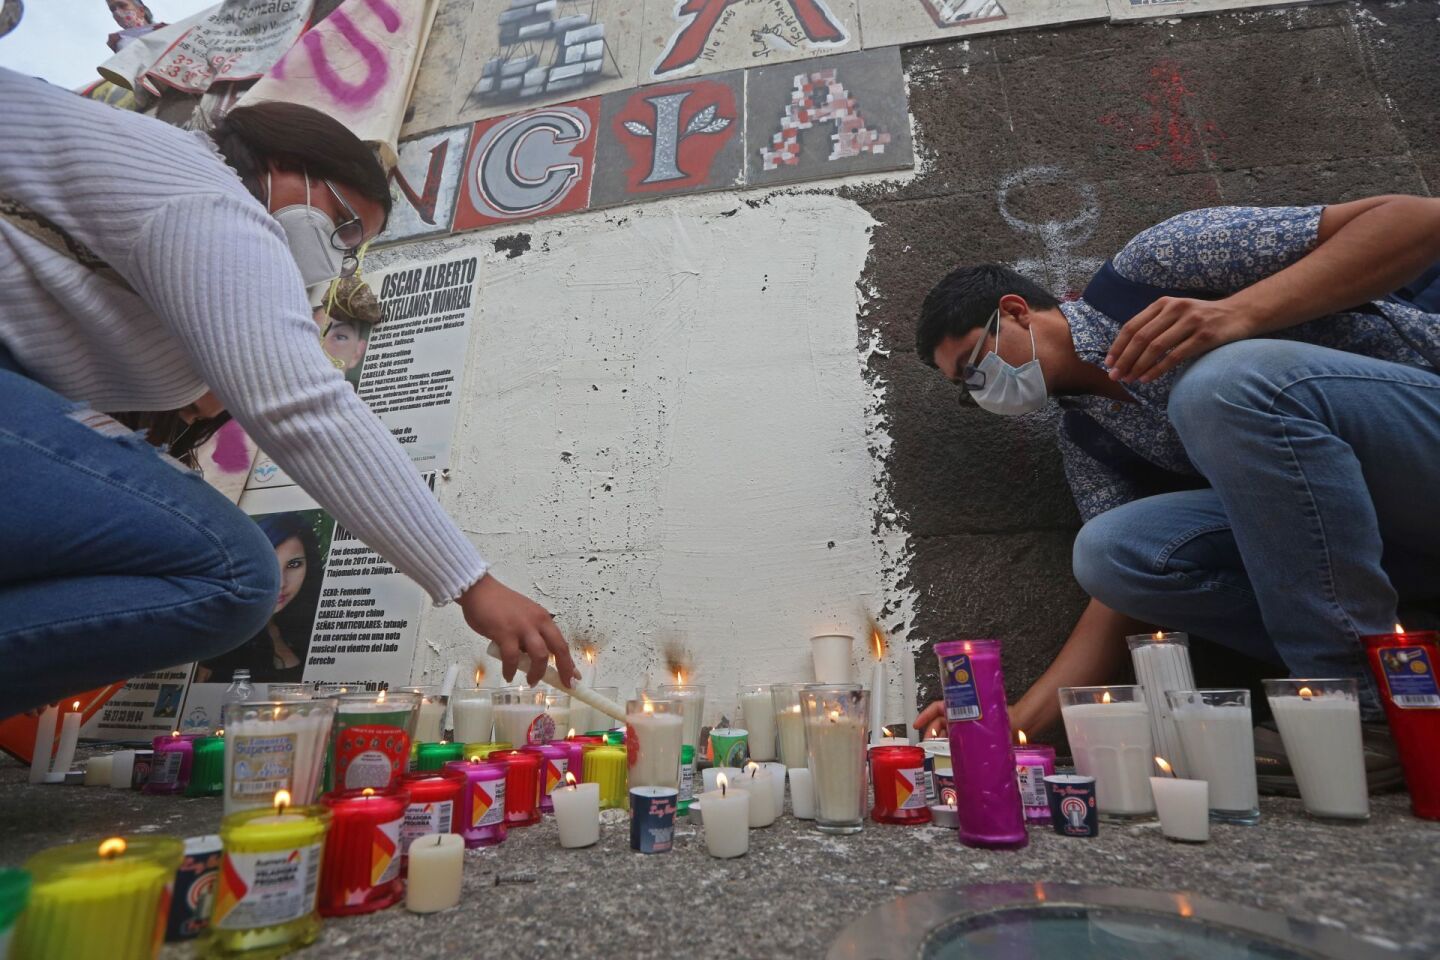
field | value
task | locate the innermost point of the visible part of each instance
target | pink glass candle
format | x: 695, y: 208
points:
x: 482, y: 802
x: 988, y: 807
x: 170, y: 769
x: 554, y: 761
x: 1033, y: 763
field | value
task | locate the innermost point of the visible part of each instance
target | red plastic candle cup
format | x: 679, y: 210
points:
x: 988, y: 803
x: 434, y: 804
x: 360, y: 871
x: 170, y: 766
x: 1404, y: 666
x: 554, y: 761
x: 898, y: 776
x: 482, y: 802
x: 1033, y: 763
x: 522, y: 786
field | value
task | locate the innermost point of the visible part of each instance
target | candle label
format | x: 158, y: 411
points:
x: 487, y: 803
x: 555, y: 768
x: 370, y: 756
x: 426, y: 818
x: 1411, y: 678
x: 385, y: 852
x: 687, y: 782
x: 541, y: 729
x: 165, y: 767
x: 265, y: 889
x: 261, y: 765
x: 1032, y: 785
x: 910, y: 788
x: 962, y: 700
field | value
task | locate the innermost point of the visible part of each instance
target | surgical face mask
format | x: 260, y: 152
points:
x: 997, y: 386
x: 307, y: 230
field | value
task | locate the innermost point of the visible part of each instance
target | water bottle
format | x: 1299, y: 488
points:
x: 239, y: 690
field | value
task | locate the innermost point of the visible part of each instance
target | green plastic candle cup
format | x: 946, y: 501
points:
x: 207, y: 769
x: 14, y: 891
x: 730, y: 745
x: 434, y: 756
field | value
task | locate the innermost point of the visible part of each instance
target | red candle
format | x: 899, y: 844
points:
x: 522, y: 786
x: 434, y: 803
x: 360, y: 871
x: 898, y: 775
x: 1404, y: 667
x: 554, y: 761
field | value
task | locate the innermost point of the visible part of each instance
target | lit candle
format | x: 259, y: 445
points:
x: 273, y: 745
x: 729, y: 746
x: 98, y: 771
x: 1404, y: 665
x: 756, y: 781
x: 372, y: 739
x: 830, y: 658
x: 360, y: 872
x: 269, y: 879
x: 554, y: 764
x: 106, y: 901
x: 789, y: 723
x: 170, y: 769
x: 482, y: 803
x: 1162, y: 664
x: 434, y: 797
x: 577, y: 812
x: 479, y: 751
x: 877, y: 685
x: 520, y: 716
x: 605, y: 766
x: 557, y: 709
x: 757, y: 708
x: 654, y: 730
x: 1183, y: 805
x: 434, y: 756
x: 65, y: 753
x: 436, y: 870
x: 207, y: 766
x: 44, y: 743
x: 777, y: 784
x: 727, y: 820
x: 802, y: 793
x: 1319, y: 722
x: 711, y: 776
x: 474, y: 712
x: 522, y: 786
x: 898, y: 775
x: 1218, y: 737
x: 691, y: 697
x: 1033, y: 763
x: 1109, y: 732
x: 835, y: 734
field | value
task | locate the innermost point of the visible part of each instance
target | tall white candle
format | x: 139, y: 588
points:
x: 1321, y: 731
x: 1162, y: 664
x: 837, y: 763
x: 44, y: 743
x: 758, y: 709
x: 727, y: 820
x: 911, y: 694
x: 435, y: 872
x: 1219, y: 743
x: 877, y: 702
x: 802, y: 793
x: 577, y: 812
x: 1111, y: 742
x: 65, y: 753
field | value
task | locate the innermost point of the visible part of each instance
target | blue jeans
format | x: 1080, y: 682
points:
x: 1325, y: 472
x: 113, y: 559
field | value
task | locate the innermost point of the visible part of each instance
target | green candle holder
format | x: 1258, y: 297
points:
x: 434, y: 756
x: 207, y: 768
x: 14, y: 891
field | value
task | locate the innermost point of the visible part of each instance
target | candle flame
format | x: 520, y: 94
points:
x: 479, y: 674
x: 570, y: 780
x: 648, y: 707
x: 174, y: 733
x: 723, y: 782
x: 1398, y: 629
x: 220, y: 732
x: 76, y: 704
x: 381, y: 698
x: 368, y: 792
x: 1182, y: 904
x: 680, y: 677
x: 1306, y: 693
x: 877, y: 639
x: 1039, y: 893
x: 933, y: 733
x: 571, y: 734
x: 112, y: 848
x: 1023, y: 739
x: 1159, y: 634
x: 795, y: 709
x: 969, y: 647
x: 752, y: 768
x: 282, y: 800
x: 1106, y: 697
x: 834, y: 716
x: 1164, y: 767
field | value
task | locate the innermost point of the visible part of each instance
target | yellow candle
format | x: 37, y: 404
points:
x: 606, y: 766
x: 99, y: 900
x: 480, y: 751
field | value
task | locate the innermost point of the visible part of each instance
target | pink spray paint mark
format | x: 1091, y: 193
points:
x: 1168, y: 126
x: 232, y: 451
x: 377, y: 69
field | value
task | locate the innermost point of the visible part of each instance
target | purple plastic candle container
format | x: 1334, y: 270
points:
x: 988, y: 800
x: 170, y: 766
x: 480, y: 817
x: 554, y: 761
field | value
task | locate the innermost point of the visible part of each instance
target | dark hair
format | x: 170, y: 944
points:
x: 296, y: 137
x: 296, y: 620
x: 966, y: 298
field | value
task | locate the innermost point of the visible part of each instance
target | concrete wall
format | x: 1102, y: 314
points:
x: 701, y: 421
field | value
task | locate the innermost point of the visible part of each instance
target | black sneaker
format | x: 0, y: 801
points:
x: 1383, y: 772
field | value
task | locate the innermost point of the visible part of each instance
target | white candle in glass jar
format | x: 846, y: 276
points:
x: 758, y: 710
x: 837, y: 751
x: 1111, y: 742
x: 727, y: 820
x: 435, y: 871
x: 792, y: 736
x: 1321, y: 732
x: 474, y: 718
x: 655, y: 757
x: 513, y: 722
x: 430, y: 721
x: 1219, y: 743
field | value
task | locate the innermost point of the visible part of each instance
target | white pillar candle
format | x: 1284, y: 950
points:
x: 1219, y: 744
x: 757, y: 781
x: 98, y: 770
x: 1162, y: 664
x: 122, y: 769
x: 727, y: 821
x: 777, y: 785
x: 657, y: 735
x: 577, y: 811
x: 44, y: 743
x: 65, y: 753
x: 436, y: 869
x: 830, y: 657
x: 474, y: 716
x: 1183, y: 806
x: 710, y: 774
x: 430, y: 725
x: 1111, y: 742
x: 792, y: 735
x: 877, y: 703
x: 1320, y: 726
x: 837, y: 763
x: 802, y: 793
x: 758, y: 709
x: 513, y: 721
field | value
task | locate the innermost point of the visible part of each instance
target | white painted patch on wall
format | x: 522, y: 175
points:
x: 667, y: 436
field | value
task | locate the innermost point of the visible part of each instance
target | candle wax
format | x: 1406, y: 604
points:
x: 436, y: 871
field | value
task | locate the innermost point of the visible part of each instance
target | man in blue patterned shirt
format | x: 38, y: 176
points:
x: 1251, y: 451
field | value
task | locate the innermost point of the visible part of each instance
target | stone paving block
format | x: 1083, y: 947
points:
x: 710, y: 36
x: 888, y: 22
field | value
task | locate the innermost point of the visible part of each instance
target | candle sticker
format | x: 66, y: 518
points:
x: 1410, y: 676
x: 554, y: 773
x: 541, y: 729
x: 260, y: 765
x: 687, y: 782
x: 265, y: 889
x: 909, y: 790
x: 422, y: 819
x: 1032, y: 785
x: 487, y: 803
x: 370, y: 756
x: 384, y: 850
x: 962, y: 702
x: 165, y: 767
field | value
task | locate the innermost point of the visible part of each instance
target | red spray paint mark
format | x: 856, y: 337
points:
x: 814, y: 18
x: 1168, y: 127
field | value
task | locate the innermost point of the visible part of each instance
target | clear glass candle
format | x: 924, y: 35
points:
x: 473, y: 715
x: 692, y: 706
x: 520, y: 716
x: 430, y: 718
x: 1162, y: 664
x: 654, y: 730
x: 789, y: 724
x: 1219, y: 741
x: 836, y: 732
x: 275, y: 745
x: 1319, y: 721
x: 1109, y: 733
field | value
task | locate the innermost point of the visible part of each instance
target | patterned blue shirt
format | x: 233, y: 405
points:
x: 1118, y: 452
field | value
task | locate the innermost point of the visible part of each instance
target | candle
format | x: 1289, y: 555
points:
x: 122, y: 769
x: 1319, y: 722
x: 482, y: 802
x: 941, y: 788
x: 835, y: 735
x: 691, y: 697
x: 653, y: 733
x: 785, y: 698
x: 988, y: 799
x: 474, y: 712
x: 1183, y: 805
x: 140, y: 766
x: 434, y: 796
x: 479, y: 751
x: 98, y: 771
x: 1033, y: 763
x: 830, y: 658
x: 910, y: 689
x: 727, y: 820
x: 429, y: 716
x: 588, y: 719
x: 877, y: 684
x: 360, y: 872
x: 554, y: 763
x: 652, y: 819
x: 755, y: 780
x: 434, y: 756
x: 65, y: 753
x: 14, y: 892
x: 372, y: 739
x: 1218, y: 737
x: 577, y: 812
x: 207, y: 767
x: 557, y: 710
x: 1073, y: 809
x: 710, y: 777
x: 575, y: 744
x: 1404, y: 665
x: 520, y: 716
x: 273, y: 745
x: 1109, y: 732
x: 589, y: 695
x: 194, y: 888
x: 777, y: 784
x: 802, y: 793
x: 98, y: 901
x: 269, y: 880
x: 1162, y: 664
x: 44, y: 743
x: 522, y: 786
x: 436, y: 870
x: 757, y: 708
x: 605, y: 766
x: 898, y: 775
x: 170, y: 769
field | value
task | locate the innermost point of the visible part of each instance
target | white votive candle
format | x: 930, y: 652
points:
x: 756, y: 780
x: 436, y: 869
x: 777, y: 785
x: 727, y: 821
x: 710, y: 774
x: 122, y: 769
x: 802, y: 793
x: 1319, y: 722
x: 577, y: 812
x: 1111, y: 742
x: 98, y: 770
x: 1183, y: 805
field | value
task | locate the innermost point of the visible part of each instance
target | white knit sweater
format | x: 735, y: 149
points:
x: 217, y: 302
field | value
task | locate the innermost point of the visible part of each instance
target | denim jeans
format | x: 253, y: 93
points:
x: 1325, y: 475
x: 113, y: 559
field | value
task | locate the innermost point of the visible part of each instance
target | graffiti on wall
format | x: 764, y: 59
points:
x: 424, y: 185
x: 703, y: 36
x: 1060, y: 269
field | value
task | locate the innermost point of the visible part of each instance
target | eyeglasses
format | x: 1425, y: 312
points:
x: 348, y: 235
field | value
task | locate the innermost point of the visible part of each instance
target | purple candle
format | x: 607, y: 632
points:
x: 989, y: 807
x: 170, y: 767
x: 554, y: 761
x: 1033, y: 763
x: 481, y: 815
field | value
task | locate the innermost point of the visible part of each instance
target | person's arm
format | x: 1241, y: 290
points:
x: 1364, y: 250
x: 1093, y: 654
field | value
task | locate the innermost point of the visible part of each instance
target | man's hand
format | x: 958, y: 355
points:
x: 1170, y: 331
x: 516, y: 623
x: 932, y: 719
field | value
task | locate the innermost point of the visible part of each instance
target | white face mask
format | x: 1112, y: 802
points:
x: 307, y: 230
x: 1009, y: 391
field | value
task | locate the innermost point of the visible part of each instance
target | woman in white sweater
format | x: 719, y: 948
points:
x: 146, y: 268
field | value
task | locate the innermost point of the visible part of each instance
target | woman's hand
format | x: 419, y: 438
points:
x: 1027, y: 714
x: 516, y: 623
x: 1170, y: 331
x: 932, y: 718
